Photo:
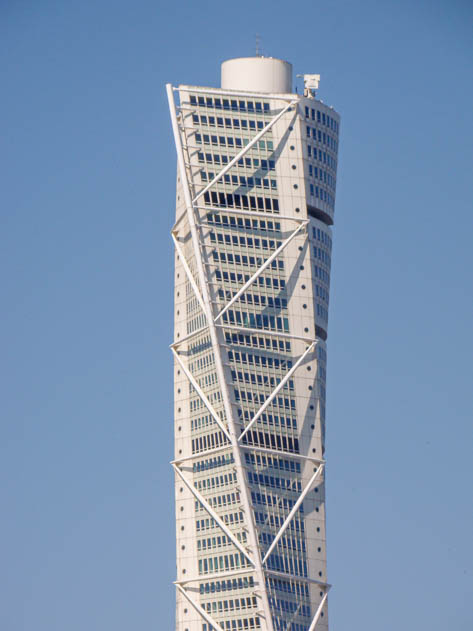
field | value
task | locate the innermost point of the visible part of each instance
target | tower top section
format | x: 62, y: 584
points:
x: 257, y: 74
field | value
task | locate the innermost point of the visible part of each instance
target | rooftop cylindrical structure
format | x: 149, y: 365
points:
x: 257, y: 74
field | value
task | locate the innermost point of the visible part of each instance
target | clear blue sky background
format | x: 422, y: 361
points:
x: 87, y: 200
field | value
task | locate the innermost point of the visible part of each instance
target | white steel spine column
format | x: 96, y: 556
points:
x: 214, y: 336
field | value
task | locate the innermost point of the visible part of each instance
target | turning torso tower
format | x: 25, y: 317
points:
x: 255, y: 201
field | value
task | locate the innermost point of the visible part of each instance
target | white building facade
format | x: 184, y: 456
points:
x: 255, y: 204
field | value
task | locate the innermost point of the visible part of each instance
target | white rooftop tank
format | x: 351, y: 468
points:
x: 257, y: 74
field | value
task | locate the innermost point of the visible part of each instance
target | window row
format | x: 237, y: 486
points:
x: 259, y: 360
x: 276, y: 521
x: 227, y: 123
x: 259, y: 397
x: 297, y: 544
x: 241, y: 180
x: 209, y: 441
x: 268, y: 282
x: 285, y: 563
x: 322, y: 138
x: 230, y: 104
x: 258, y: 342
x: 219, y: 541
x: 216, y: 482
x: 202, y: 421
x: 229, y: 519
x: 241, y: 624
x: 243, y: 241
x: 222, y: 606
x: 222, y: 563
x: 322, y: 236
x: 321, y: 293
x: 232, y: 142
x: 257, y: 300
x: 246, y: 202
x: 202, y: 362
x: 282, y: 464
x: 322, y: 194
x: 245, y: 582
x: 256, y: 438
x: 274, y: 482
x: 321, y: 255
x: 212, y: 463
x: 263, y: 225
x: 256, y: 320
x: 289, y: 587
x: 220, y: 501
x: 197, y: 404
x: 249, y: 163
x: 280, y: 503
x: 323, y: 176
x: 322, y: 118
x: 243, y: 259
x: 260, y: 380
x: 291, y: 607
x: 322, y: 156
x: 275, y: 420
x: 322, y: 312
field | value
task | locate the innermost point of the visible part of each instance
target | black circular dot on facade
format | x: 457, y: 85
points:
x: 312, y: 407
x: 301, y: 267
x: 180, y: 451
x: 313, y: 450
x: 183, y: 547
x: 183, y: 571
x: 303, y: 286
x: 185, y: 610
x: 304, y: 306
x: 309, y: 368
x: 292, y: 147
x: 178, y: 409
x: 306, y: 329
x: 318, y: 529
x: 291, y: 127
x: 182, y: 508
x: 319, y: 549
x: 312, y: 427
x: 320, y: 573
x: 298, y: 210
x: 311, y: 388
x: 179, y: 428
x: 296, y: 186
x: 300, y: 248
x: 294, y: 166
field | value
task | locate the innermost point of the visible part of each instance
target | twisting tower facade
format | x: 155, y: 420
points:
x: 255, y: 202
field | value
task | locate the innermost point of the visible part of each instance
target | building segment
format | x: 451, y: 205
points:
x: 255, y: 202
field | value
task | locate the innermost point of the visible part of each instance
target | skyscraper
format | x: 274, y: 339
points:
x: 255, y: 201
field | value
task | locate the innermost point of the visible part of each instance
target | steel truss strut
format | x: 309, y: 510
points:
x: 294, y: 510
x: 213, y: 514
x: 277, y: 389
x: 201, y: 394
x: 199, y: 609
x: 261, y: 269
x: 243, y: 151
x: 214, y: 335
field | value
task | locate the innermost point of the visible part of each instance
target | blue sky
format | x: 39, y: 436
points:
x: 87, y: 200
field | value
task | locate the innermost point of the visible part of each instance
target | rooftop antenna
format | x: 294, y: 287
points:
x: 311, y: 84
x: 258, y: 43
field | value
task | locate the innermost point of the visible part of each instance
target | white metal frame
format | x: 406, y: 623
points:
x: 216, y: 330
